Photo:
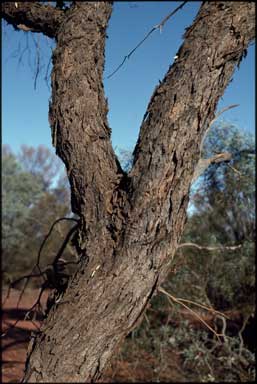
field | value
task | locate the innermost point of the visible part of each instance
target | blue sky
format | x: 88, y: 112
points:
x: 25, y: 110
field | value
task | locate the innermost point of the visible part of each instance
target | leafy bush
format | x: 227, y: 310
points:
x: 221, y: 214
x: 34, y: 195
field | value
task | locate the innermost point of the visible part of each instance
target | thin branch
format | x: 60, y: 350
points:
x: 63, y: 246
x: 210, y: 309
x: 178, y: 301
x: 203, y: 164
x: 7, y: 295
x: 24, y: 277
x: 234, y: 170
x: 12, y: 284
x: 147, y: 319
x: 240, y: 334
x: 37, y: 302
x: 37, y: 62
x: 46, y: 78
x: 159, y: 26
x: 24, y: 50
x: 71, y: 249
x: 49, y: 233
x: 202, y: 247
x: 222, y: 111
x: 213, y: 120
x: 24, y: 288
x: 41, y: 273
x: 224, y: 327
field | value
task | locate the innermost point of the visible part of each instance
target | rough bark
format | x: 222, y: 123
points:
x: 130, y: 225
x: 33, y: 17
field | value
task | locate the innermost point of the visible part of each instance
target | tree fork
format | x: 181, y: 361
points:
x: 130, y: 224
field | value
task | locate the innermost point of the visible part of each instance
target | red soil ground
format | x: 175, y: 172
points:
x: 15, y: 342
x: 137, y: 366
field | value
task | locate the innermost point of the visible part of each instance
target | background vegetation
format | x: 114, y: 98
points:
x: 34, y: 194
x: 177, y: 341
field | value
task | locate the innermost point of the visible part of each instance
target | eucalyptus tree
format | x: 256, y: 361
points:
x: 129, y: 223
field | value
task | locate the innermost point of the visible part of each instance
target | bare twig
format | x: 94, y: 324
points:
x: 23, y: 51
x: 213, y: 120
x: 224, y: 327
x: 201, y: 247
x: 24, y: 277
x: 71, y: 249
x: 158, y: 26
x: 222, y: 111
x: 46, y: 78
x: 37, y: 61
x: 7, y: 295
x: 240, y: 334
x: 210, y: 309
x: 65, y: 242
x: 234, y: 169
x: 203, y: 164
x: 37, y: 302
x: 49, y: 233
x: 13, y: 283
x: 178, y: 301
x: 41, y: 273
x: 147, y: 319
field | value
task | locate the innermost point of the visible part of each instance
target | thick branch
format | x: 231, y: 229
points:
x: 33, y: 17
x: 181, y: 109
x: 78, y: 118
x: 109, y: 294
x: 203, y: 164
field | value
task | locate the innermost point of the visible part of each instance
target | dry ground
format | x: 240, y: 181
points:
x: 137, y: 365
x: 15, y: 342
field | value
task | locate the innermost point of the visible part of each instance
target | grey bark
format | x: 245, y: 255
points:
x: 130, y: 224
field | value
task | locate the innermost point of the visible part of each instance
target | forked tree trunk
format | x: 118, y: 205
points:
x: 130, y: 224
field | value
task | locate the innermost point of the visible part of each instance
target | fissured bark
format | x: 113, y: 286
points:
x: 130, y: 224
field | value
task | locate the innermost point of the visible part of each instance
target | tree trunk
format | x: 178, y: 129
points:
x: 130, y: 224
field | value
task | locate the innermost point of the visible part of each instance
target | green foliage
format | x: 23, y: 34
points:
x: 41, y: 163
x: 206, y: 359
x: 35, y: 194
x: 222, y: 213
x: 20, y: 192
x: 224, y: 205
x: 176, y: 346
x: 226, y: 196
